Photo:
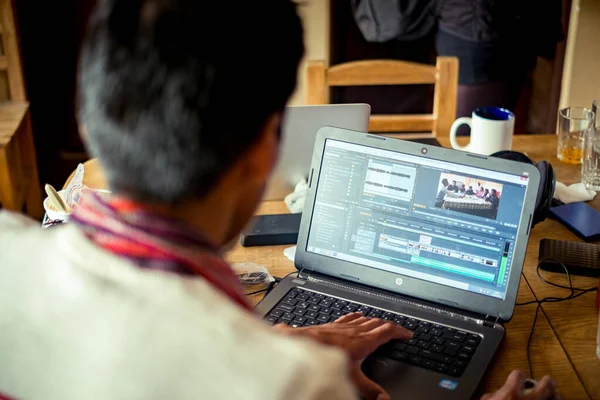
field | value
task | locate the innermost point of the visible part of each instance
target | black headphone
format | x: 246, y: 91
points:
x: 547, y: 182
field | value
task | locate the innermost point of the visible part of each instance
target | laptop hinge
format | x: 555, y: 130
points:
x: 304, y: 274
x: 490, y: 321
x: 311, y: 276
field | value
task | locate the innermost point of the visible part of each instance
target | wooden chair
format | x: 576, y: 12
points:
x: 444, y: 75
x: 19, y: 181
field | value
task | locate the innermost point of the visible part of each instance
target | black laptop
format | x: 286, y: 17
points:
x: 391, y: 229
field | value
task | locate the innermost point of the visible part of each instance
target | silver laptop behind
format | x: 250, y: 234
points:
x: 299, y: 129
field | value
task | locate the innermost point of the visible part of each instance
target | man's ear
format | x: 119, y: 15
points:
x: 262, y: 156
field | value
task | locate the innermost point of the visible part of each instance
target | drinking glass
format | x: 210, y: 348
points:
x: 572, y: 124
x: 590, y: 167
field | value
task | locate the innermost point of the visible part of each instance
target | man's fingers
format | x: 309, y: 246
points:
x: 373, y: 323
x: 367, y: 388
x: 389, y: 331
x: 516, y: 379
x: 515, y: 383
x: 348, y: 318
x: 545, y: 389
x: 359, y: 321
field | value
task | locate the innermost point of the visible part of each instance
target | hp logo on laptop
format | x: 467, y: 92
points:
x: 399, y: 281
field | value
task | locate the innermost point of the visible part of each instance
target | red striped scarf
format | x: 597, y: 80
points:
x: 128, y: 230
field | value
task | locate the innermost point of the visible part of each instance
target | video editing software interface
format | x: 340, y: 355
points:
x: 433, y: 220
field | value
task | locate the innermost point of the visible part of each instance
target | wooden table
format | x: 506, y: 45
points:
x: 573, y: 322
x: 565, y: 334
x: 548, y: 357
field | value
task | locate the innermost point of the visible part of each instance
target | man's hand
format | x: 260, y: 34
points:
x: 514, y: 389
x: 358, y: 336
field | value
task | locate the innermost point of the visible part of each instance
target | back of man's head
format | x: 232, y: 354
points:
x: 445, y: 182
x: 173, y: 92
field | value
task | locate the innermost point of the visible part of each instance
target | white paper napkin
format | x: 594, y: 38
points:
x: 290, y: 253
x: 573, y: 193
x: 295, y: 200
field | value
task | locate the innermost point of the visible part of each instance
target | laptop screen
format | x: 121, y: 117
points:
x: 433, y: 220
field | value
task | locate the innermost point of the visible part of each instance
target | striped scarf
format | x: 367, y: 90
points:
x: 150, y: 241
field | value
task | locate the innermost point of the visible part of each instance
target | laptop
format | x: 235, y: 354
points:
x: 299, y: 129
x: 380, y: 234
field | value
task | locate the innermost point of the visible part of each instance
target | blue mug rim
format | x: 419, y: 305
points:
x: 509, y: 114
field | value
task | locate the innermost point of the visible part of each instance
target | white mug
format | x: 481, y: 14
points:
x: 491, y: 130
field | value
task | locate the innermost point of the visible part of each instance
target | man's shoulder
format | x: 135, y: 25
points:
x: 18, y: 231
x: 10, y: 221
x: 159, y: 323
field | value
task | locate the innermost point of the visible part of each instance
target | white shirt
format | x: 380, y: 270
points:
x: 77, y: 322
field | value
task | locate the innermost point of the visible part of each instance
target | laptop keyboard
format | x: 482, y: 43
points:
x: 435, y: 347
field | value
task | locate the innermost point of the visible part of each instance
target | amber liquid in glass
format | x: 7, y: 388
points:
x: 570, y: 148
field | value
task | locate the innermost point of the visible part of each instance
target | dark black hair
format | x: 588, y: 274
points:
x: 494, y: 191
x: 487, y: 191
x: 445, y: 182
x: 173, y: 92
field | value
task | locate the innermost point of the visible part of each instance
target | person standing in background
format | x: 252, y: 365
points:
x: 496, y: 41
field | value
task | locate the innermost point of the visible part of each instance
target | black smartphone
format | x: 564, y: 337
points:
x: 579, y: 258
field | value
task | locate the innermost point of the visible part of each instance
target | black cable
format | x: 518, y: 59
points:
x: 539, y: 303
x: 537, y: 310
x: 259, y: 291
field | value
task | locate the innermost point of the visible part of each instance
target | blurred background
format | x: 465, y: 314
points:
x: 50, y: 34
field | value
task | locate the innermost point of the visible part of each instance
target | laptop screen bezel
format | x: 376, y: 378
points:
x: 429, y: 291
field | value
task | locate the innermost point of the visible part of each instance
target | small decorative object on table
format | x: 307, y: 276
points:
x: 254, y: 277
x: 54, y: 211
x: 48, y: 223
x: 71, y: 195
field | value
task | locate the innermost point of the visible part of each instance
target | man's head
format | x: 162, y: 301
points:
x: 462, y: 186
x: 182, y: 98
x: 453, y: 183
x: 470, y: 187
x: 445, y: 182
x: 494, y: 192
